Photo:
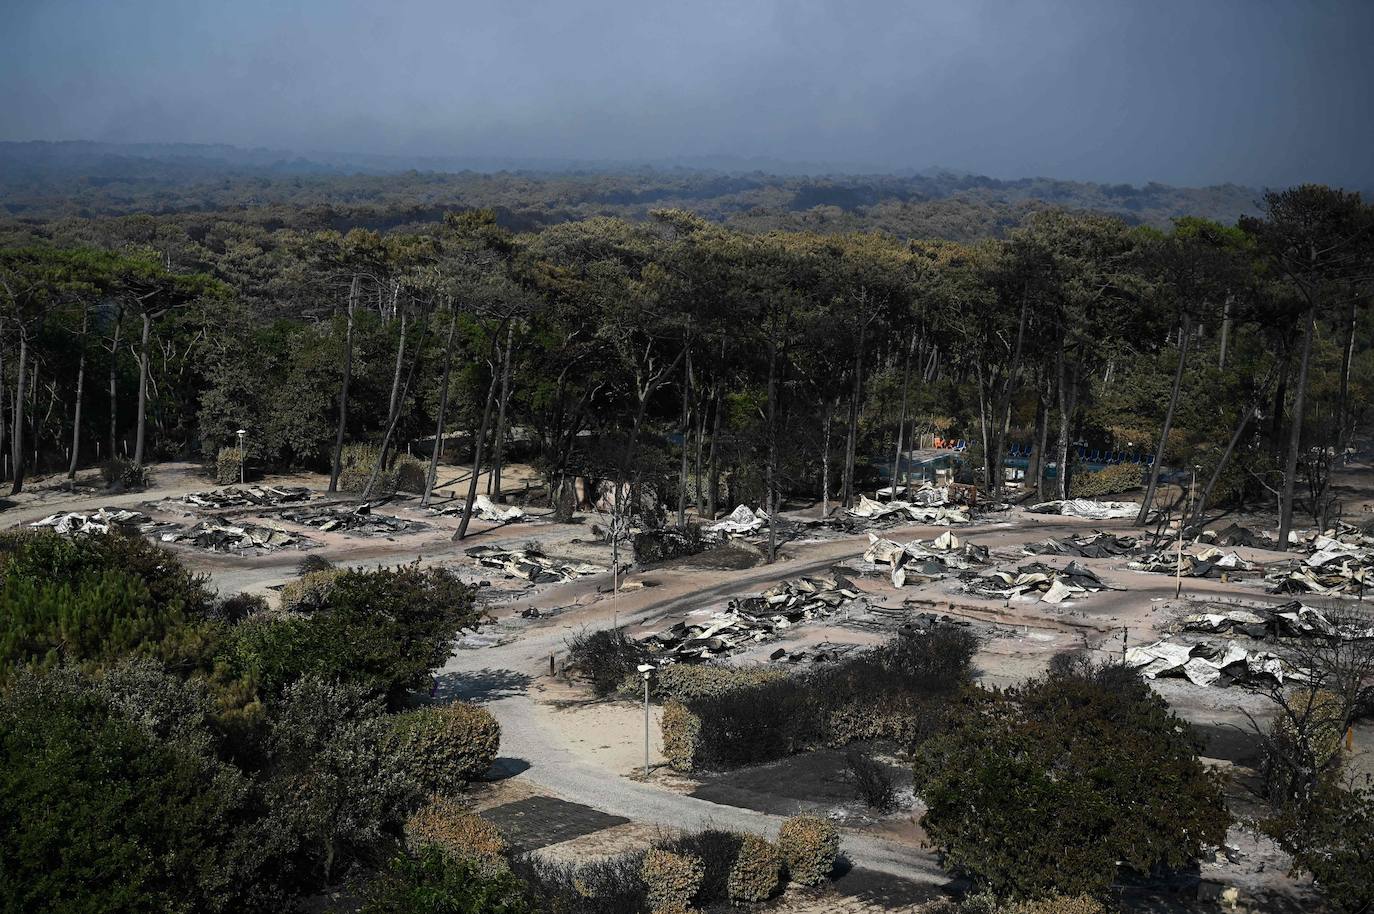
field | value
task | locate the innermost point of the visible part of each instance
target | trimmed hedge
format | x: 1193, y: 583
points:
x: 672, y: 880
x: 758, y: 871
x: 229, y: 466
x: 810, y: 846
x: 681, y: 731
x: 463, y: 835
x: 309, y: 592
x: 1118, y: 477
x: 356, y: 464
x: 445, y: 747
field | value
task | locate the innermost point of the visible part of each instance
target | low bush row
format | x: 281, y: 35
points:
x: 723, y: 717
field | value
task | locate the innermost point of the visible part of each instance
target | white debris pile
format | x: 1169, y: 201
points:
x: 483, y: 508
x: 1208, y: 562
x: 243, y: 538
x: 923, y: 561
x: 740, y: 521
x: 754, y: 619
x: 531, y: 565
x: 1335, y: 566
x: 1051, y: 585
x: 1084, y: 507
x: 1095, y: 545
x: 1207, y: 663
x: 927, y: 506
x: 102, y: 520
x: 1289, y: 620
x: 247, y: 497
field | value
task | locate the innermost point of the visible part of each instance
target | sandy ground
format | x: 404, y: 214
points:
x: 1019, y: 636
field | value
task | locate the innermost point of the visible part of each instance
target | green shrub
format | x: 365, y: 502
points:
x: 410, y: 474
x: 758, y: 871
x: 436, y: 883
x: 124, y: 475
x: 310, y: 592
x: 94, y: 599
x: 607, y: 657
x: 383, y: 629
x: 1331, y: 837
x: 717, y: 850
x: 672, y: 880
x: 229, y: 466
x: 356, y: 464
x: 448, y: 825
x: 690, y: 682
x: 1020, y: 778
x: 681, y: 731
x: 810, y: 846
x: 1117, y: 477
x: 608, y: 886
x: 444, y: 747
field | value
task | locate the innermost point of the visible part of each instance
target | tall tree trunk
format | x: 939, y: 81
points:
x: 713, y: 460
x: 393, y: 403
x: 1290, y: 470
x: 1184, y: 337
x: 686, y: 417
x: 4, y: 467
x: 1225, y: 346
x: 901, y: 422
x: 20, y: 460
x: 852, y: 442
x: 498, y: 451
x: 337, y: 464
x: 1001, y: 407
x: 382, y: 455
x: 700, y: 436
x: 443, y: 412
x: 1035, y: 466
x: 80, y: 386
x: 141, y: 435
x: 1246, y: 415
x: 825, y: 460
x: 114, y: 387
x: 1067, y: 396
x: 772, y: 470
x: 1344, y: 426
x: 478, y: 440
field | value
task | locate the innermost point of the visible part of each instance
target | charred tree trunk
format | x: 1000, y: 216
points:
x: 1035, y: 466
x: 141, y: 433
x: 498, y: 451
x: 1206, y: 496
x: 1345, y: 427
x: 1184, y: 337
x: 17, y: 443
x: 713, y: 460
x: 772, y: 469
x: 852, y: 441
x: 114, y: 388
x: 1290, y: 470
x: 337, y: 465
x: 901, y: 422
x: 1067, y: 396
x: 686, y: 417
x: 443, y: 413
x: 478, y: 440
x: 80, y: 387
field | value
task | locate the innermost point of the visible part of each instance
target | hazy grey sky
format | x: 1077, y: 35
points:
x: 1183, y: 91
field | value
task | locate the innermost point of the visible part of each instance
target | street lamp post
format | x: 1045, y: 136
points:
x: 243, y: 454
x: 646, y: 670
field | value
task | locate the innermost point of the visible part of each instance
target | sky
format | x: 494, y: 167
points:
x: 1258, y: 92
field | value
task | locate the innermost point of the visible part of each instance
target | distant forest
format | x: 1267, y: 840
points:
x: 46, y: 181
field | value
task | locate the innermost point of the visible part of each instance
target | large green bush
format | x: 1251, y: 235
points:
x: 449, y: 826
x: 112, y: 800
x: 810, y: 846
x: 1057, y: 787
x: 672, y: 880
x: 437, y: 883
x: 92, y: 599
x: 444, y: 747
x: 383, y: 629
x: 1110, y: 480
x: 229, y: 466
x: 757, y: 874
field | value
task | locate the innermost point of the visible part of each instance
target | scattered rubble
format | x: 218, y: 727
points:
x: 247, y: 497
x: 1083, y: 507
x: 531, y: 565
x: 1289, y: 620
x: 483, y: 508
x: 1207, y: 663
x: 926, y: 561
x: 1052, y: 585
x: 1095, y: 545
x: 928, y: 505
x: 1210, y: 562
x: 102, y: 520
x: 754, y: 619
x: 243, y: 538
x: 1236, y: 535
x: 359, y: 521
x: 740, y: 521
